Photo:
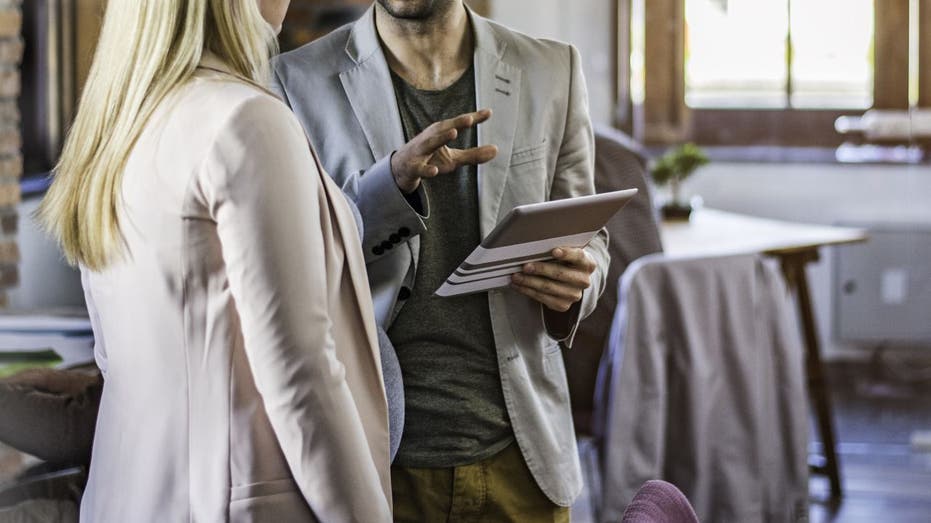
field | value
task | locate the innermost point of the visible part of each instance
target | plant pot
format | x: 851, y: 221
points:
x: 676, y: 211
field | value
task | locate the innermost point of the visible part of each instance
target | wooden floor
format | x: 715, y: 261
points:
x: 879, y: 407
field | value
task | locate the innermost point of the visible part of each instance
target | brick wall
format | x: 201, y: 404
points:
x: 11, y: 160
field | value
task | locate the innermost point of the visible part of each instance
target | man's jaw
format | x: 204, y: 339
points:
x: 421, y: 10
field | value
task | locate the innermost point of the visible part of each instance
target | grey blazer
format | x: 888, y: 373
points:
x: 340, y: 89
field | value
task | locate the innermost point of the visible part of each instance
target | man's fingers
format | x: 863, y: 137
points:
x: 570, y: 275
x: 463, y: 121
x: 434, y: 139
x: 474, y: 156
x: 425, y: 170
x: 427, y: 155
x: 574, y: 256
x: 550, y: 302
x: 549, y: 287
x: 481, y: 116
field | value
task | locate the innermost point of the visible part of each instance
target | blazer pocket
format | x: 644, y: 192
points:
x: 529, y: 154
x: 263, y: 488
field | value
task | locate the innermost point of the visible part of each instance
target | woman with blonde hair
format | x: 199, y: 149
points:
x: 225, y: 282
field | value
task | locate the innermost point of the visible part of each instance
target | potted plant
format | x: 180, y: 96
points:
x: 672, y: 169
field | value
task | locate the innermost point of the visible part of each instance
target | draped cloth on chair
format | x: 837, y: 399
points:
x: 703, y: 386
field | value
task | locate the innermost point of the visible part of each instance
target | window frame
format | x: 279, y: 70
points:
x: 664, y: 118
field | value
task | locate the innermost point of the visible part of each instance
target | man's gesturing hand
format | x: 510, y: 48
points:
x: 427, y: 155
x: 560, y: 284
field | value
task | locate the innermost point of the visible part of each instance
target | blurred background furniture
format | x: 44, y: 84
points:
x: 51, y: 414
x: 634, y: 232
x: 794, y: 246
x: 44, y: 497
x: 703, y: 386
x: 50, y: 392
x: 659, y: 502
x: 620, y: 163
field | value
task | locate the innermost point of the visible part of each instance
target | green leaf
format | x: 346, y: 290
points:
x: 678, y: 164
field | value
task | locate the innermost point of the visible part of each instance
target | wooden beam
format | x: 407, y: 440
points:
x: 89, y: 19
x: 890, y: 73
x: 482, y: 7
x: 924, y: 53
x: 621, y: 29
x: 664, y: 110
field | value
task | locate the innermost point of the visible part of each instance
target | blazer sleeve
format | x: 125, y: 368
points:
x: 389, y: 216
x: 575, y: 176
x: 258, y: 185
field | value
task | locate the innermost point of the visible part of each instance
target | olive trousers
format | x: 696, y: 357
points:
x: 499, y: 489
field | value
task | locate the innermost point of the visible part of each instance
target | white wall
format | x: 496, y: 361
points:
x: 45, y: 279
x: 825, y: 194
x: 583, y: 23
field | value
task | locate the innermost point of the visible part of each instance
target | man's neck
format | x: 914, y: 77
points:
x: 429, y: 54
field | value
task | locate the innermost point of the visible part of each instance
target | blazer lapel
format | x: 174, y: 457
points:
x: 369, y: 88
x: 498, y: 88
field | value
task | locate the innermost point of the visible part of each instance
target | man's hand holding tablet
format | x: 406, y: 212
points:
x: 539, y: 250
x: 557, y: 284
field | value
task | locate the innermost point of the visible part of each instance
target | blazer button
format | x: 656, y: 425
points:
x: 404, y: 232
x: 377, y: 250
x: 387, y: 246
x: 395, y: 238
x: 404, y: 293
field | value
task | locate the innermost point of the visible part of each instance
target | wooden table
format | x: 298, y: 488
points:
x: 711, y: 232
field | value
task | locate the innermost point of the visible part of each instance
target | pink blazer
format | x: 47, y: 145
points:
x: 237, y: 340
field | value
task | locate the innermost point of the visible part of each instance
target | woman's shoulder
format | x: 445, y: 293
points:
x: 235, y: 102
x: 228, y: 115
x: 246, y: 127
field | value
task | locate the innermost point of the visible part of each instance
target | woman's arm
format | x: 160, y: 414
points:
x: 260, y: 184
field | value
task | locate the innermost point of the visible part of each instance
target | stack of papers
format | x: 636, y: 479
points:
x: 13, y: 362
x: 29, y: 340
x: 45, y: 324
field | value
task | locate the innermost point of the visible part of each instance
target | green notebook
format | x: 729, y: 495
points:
x: 12, y: 362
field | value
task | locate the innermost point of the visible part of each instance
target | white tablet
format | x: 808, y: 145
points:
x: 530, y: 233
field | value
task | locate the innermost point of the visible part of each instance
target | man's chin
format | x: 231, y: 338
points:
x: 423, y: 11
x: 413, y: 17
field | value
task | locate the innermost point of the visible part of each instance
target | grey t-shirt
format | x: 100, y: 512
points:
x: 454, y: 407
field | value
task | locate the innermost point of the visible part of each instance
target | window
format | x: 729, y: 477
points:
x: 769, y: 72
x: 779, y: 53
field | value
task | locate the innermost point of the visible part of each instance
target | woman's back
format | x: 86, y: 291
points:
x: 232, y: 331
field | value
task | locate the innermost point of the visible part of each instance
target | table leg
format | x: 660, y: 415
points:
x: 793, y: 267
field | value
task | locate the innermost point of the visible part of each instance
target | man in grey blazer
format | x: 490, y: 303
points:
x: 391, y: 104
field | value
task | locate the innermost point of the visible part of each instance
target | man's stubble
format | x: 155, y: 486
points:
x: 417, y: 10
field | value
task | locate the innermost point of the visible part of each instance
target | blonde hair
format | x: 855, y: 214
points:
x: 147, y: 50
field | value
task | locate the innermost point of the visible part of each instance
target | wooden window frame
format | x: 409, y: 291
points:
x: 664, y: 118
